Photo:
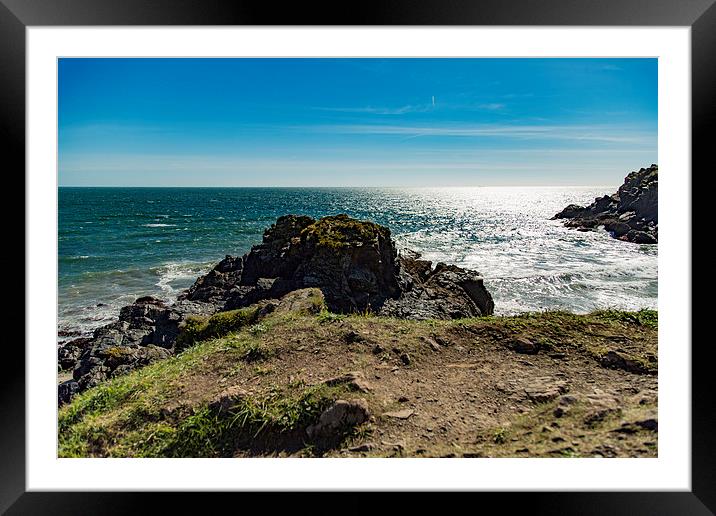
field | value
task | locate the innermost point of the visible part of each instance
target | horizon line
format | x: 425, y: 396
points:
x: 341, y: 186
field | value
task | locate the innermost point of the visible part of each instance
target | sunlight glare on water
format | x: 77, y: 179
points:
x: 116, y: 244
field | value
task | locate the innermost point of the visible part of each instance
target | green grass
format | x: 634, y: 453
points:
x: 648, y: 318
x: 499, y: 436
x: 207, y: 434
x: 256, y: 351
x: 324, y: 316
x: 258, y: 329
x: 574, y: 434
x: 147, y: 413
x: 124, y: 416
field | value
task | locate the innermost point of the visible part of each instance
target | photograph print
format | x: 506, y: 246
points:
x: 357, y: 257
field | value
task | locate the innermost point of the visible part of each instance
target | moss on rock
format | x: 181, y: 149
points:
x: 195, y: 329
x: 339, y: 231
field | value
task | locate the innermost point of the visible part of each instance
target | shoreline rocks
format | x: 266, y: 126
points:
x: 353, y: 263
x: 631, y: 214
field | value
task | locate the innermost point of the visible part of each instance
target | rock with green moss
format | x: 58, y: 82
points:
x: 351, y: 261
x: 354, y: 263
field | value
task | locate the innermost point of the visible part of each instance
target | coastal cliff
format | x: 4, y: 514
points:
x: 326, y: 340
x: 631, y: 214
x: 354, y: 264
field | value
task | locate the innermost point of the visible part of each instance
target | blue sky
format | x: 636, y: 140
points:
x: 355, y: 122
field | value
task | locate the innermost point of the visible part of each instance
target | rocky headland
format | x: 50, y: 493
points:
x: 355, y: 265
x: 325, y: 340
x: 631, y: 214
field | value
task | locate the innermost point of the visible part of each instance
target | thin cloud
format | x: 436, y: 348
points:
x: 415, y: 108
x: 493, y: 106
x: 379, y: 110
x: 585, y: 133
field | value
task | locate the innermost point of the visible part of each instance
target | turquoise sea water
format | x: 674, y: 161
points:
x: 116, y: 244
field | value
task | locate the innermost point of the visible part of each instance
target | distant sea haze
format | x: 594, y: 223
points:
x: 116, y: 244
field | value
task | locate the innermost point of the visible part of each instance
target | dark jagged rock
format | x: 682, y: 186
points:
x: 66, y: 391
x: 356, y: 266
x: 145, y: 332
x: 631, y: 214
x: 221, y: 279
x: 353, y: 263
x: 446, y: 292
x: 69, y: 352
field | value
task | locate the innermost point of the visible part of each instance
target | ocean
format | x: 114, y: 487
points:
x: 116, y: 244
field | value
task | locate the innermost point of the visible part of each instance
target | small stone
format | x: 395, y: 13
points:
x: 378, y: 349
x: 365, y: 447
x: 396, y: 446
x: 430, y: 342
x: 400, y: 414
x: 648, y: 424
x: 545, y: 389
x: 598, y: 415
x: 352, y: 337
x: 339, y: 417
x: 354, y: 380
x: 403, y: 399
x: 227, y: 399
x: 618, y: 360
x: 568, y: 399
x: 522, y: 344
x: 442, y: 341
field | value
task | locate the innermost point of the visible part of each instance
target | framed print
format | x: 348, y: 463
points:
x: 416, y: 250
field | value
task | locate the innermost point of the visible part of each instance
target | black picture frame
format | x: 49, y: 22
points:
x: 17, y: 15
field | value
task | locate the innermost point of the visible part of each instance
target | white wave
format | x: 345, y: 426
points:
x: 177, y: 276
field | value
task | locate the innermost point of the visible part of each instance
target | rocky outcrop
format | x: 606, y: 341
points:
x: 631, y: 214
x: 354, y: 264
x: 145, y: 332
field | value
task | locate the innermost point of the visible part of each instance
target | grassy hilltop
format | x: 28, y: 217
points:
x: 255, y: 382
